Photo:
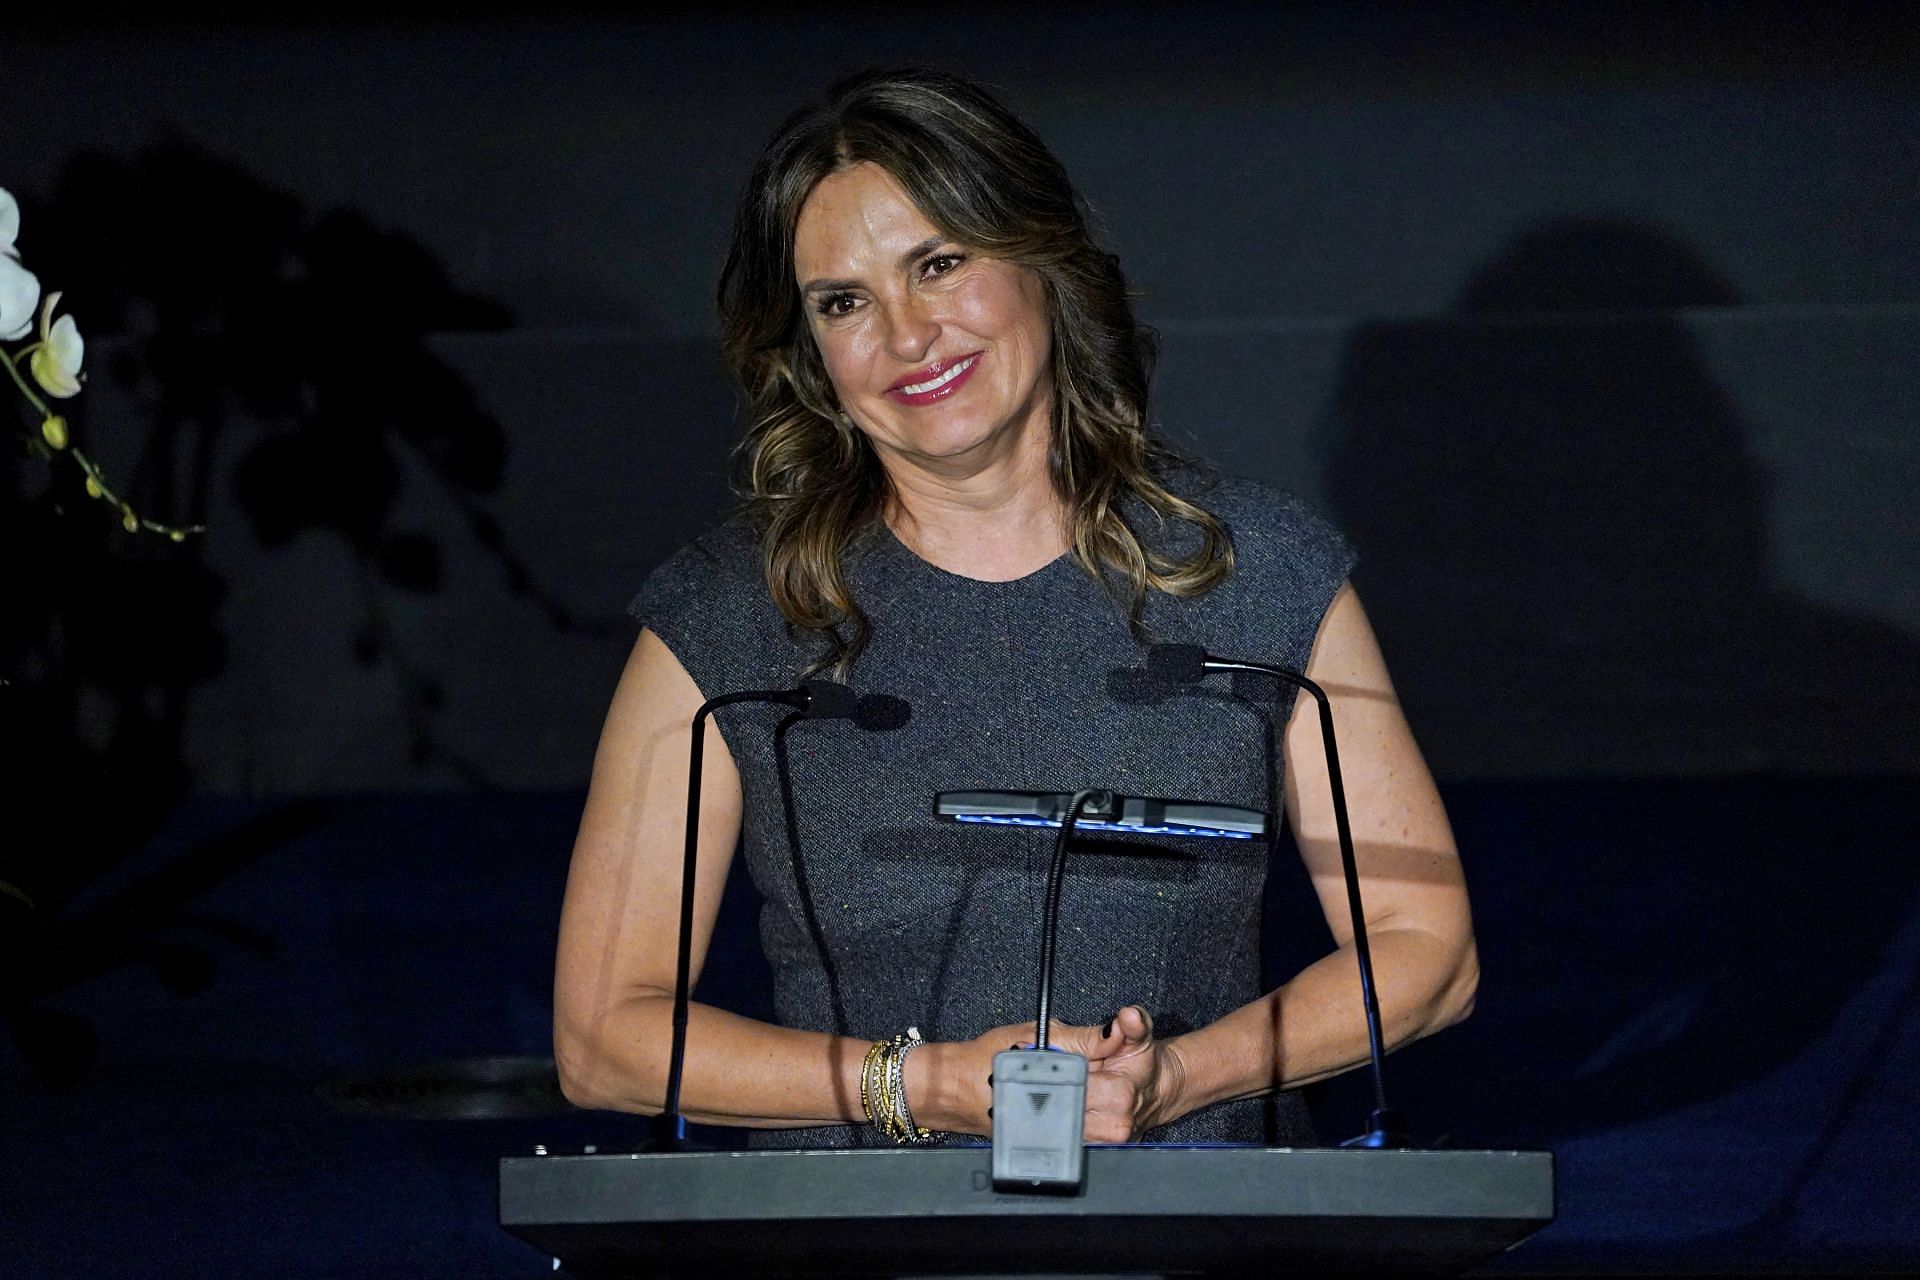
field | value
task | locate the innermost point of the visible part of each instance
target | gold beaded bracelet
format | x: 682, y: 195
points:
x: 883, y: 1090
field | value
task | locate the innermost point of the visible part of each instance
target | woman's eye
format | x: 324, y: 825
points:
x: 941, y: 263
x: 835, y: 304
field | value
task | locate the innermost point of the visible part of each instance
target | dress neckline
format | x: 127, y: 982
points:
x: 894, y: 545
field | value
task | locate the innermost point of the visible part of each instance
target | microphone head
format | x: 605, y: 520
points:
x: 827, y: 700
x: 1177, y: 663
x: 881, y: 712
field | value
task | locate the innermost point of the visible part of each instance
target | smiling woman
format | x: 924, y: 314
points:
x: 913, y: 210
x: 939, y: 356
x: 954, y: 499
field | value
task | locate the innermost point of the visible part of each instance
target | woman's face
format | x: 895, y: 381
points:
x: 939, y: 354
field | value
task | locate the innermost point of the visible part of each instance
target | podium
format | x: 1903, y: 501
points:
x: 1144, y: 1210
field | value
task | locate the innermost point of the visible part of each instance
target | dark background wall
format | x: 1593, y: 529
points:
x: 1596, y: 330
x: 1594, y: 325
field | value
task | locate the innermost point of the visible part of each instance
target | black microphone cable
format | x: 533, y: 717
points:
x: 873, y: 713
x: 1050, y: 919
x: 814, y: 700
x: 1189, y: 664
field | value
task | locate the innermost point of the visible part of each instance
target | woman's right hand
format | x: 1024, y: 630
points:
x: 950, y: 1083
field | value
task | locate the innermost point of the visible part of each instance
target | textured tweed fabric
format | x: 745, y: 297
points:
x: 878, y: 915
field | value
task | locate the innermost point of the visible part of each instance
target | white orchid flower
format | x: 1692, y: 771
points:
x: 9, y: 223
x: 56, y: 363
x: 19, y: 294
x: 19, y: 289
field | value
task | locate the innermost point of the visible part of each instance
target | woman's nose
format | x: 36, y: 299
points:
x: 911, y: 331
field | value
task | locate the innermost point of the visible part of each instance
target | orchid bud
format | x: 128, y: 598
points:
x: 130, y: 522
x: 93, y: 488
x: 54, y: 431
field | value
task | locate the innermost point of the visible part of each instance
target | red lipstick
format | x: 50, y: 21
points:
x: 947, y: 377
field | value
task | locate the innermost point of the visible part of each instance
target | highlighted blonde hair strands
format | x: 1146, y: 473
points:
x: 984, y: 179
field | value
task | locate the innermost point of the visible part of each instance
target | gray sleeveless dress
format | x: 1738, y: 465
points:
x: 879, y: 915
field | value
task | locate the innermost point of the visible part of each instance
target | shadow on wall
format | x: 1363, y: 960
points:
x: 1555, y: 506
x: 244, y: 328
x: 1550, y: 484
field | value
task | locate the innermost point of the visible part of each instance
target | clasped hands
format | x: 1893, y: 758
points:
x: 1134, y: 1081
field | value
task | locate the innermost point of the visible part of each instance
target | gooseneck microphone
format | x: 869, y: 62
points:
x: 813, y: 700
x: 1189, y: 664
x: 1050, y: 916
x: 1040, y: 1094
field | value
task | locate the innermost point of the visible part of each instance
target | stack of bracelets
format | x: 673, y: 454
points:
x: 883, y: 1090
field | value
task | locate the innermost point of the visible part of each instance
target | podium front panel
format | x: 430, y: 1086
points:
x: 1145, y: 1210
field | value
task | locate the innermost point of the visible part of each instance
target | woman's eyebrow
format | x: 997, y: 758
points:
x: 907, y: 259
x: 921, y: 250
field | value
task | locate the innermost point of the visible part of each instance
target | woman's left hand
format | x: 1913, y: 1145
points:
x: 1134, y: 1081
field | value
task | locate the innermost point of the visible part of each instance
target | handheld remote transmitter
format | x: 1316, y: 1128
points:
x: 1039, y: 1120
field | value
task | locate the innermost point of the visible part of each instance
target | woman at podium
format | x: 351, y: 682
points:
x: 954, y: 500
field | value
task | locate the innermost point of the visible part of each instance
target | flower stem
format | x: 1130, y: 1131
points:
x: 86, y: 464
x: 14, y: 891
x: 13, y: 367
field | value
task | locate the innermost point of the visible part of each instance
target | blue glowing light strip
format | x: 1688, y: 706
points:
x: 1090, y: 824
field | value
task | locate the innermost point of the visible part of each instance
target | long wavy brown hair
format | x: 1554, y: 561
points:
x: 986, y: 180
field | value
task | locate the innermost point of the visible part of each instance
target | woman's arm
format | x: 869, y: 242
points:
x: 613, y: 981
x: 1418, y: 925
